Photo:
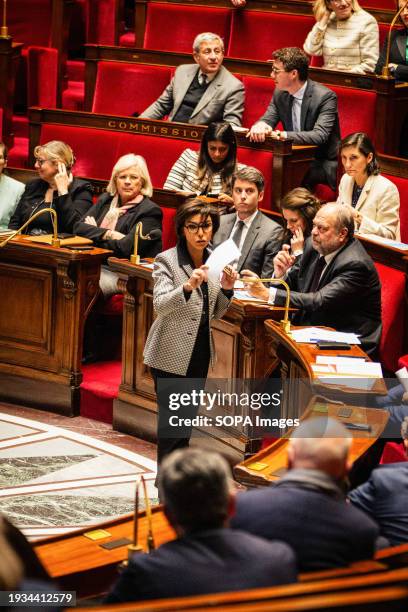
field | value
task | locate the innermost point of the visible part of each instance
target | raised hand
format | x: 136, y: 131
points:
x: 283, y: 261
x: 254, y: 288
x: 62, y: 179
x: 199, y: 276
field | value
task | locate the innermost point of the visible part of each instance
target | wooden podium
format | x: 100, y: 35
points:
x: 269, y: 464
x: 46, y: 294
x: 242, y: 355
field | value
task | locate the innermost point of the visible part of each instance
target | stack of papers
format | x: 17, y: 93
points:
x: 315, y: 334
x: 352, y: 372
x: 347, y: 366
x: 244, y: 295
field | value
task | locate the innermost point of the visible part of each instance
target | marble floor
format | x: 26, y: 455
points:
x: 58, y: 474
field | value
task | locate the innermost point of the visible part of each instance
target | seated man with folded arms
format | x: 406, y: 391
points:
x: 207, y: 557
x: 308, y: 112
x: 257, y: 236
x: 204, y: 93
x: 384, y: 497
x: 307, y: 508
x: 334, y: 283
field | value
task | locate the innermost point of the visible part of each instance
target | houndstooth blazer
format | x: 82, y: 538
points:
x: 172, y: 336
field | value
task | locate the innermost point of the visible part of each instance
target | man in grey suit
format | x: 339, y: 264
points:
x: 257, y: 236
x: 204, y: 94
x: 308, y: 112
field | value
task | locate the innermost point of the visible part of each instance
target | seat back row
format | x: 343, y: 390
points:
x: 145, y: 83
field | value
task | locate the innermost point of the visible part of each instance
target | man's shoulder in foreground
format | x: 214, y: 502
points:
x: 207, y: 562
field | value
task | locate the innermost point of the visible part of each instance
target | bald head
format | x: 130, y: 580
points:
x: 320, y: 444
x: 333, y: 227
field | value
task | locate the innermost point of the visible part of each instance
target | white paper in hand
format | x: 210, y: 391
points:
x: 221, y: 256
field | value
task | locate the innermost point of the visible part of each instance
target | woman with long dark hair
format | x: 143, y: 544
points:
x: 210, y: 170
x: 374, y: 199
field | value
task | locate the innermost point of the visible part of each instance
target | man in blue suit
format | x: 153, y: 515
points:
x: 384, y: 496
x: 307, y: 508
x: 206, y: 557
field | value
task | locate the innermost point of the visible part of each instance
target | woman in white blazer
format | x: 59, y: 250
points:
x: 345, y: 34
x: 179, y: 347
x: 375, y: 199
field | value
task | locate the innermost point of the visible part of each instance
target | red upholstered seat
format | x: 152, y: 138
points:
x: 393, y: 452
x: 258, y: 94
x: 254, y: 35
x: 30, y: 22
x: 393, y: 306
x: 101, y: 21
x: 169, y: 233
x: 263, y: 161
x: 127, y: 40
x: 378, y: 4
x: 122, y: 89
x: 356, y: 110
x: 173, y: 27
x: 324, y: 193
x: 402, y: 186
x: 403, y: 362
x: 42, y: 74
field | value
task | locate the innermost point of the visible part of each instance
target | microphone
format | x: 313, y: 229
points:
x: 153, y: 235
x: 55, y: 242
x: 385, y: 72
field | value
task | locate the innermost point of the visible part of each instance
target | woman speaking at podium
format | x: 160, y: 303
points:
x: 55, y: 188
x: 185, y: 300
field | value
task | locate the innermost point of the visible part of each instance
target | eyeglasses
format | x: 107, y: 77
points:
x: 40, y: 161
x: 277, y: 70
x: 194, y: 227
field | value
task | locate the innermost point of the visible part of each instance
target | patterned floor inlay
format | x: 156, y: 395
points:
x: 53, y: 480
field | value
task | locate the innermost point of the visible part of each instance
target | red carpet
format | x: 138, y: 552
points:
x: 99, y: 388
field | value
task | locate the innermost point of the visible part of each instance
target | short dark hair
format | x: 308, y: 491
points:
x: 195, y: 487
x: 365, y: 146
x: 250, y: 174
x: 5, y: 149
x: 191, y: 207
x: 293, y: 58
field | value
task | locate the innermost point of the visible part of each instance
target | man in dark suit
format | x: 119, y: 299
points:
x: 201, y: 94
x: 334, y: 283
x: 308, y: 112
x: 257, y: 236
x: 384, y: 497
x: 206, y: 557
x: 306, y: 508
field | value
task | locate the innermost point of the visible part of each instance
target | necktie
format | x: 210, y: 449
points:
x: 203, y: 80
x: 238, y: 233
x: 319, y: 266
x: 295, y: 115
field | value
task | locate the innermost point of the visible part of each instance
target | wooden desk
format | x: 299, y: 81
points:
x: 270, y: 463
x: 242, y: 353
x: 80, y: 564
x: 300, y: 383
x: 46, y: 294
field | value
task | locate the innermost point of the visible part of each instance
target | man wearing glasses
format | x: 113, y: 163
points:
x: 307, y: 111
x: 257, y: 237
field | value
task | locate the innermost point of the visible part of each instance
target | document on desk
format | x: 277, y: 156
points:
x: 240, y: 294
x: 311, y: 335
x: 402, y: 376
x: 221, y: 256
x: 355, y: 373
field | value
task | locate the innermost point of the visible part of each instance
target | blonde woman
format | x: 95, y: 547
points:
x: 345, y: 35
x: 55, y: 188
x: 112, y: 221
